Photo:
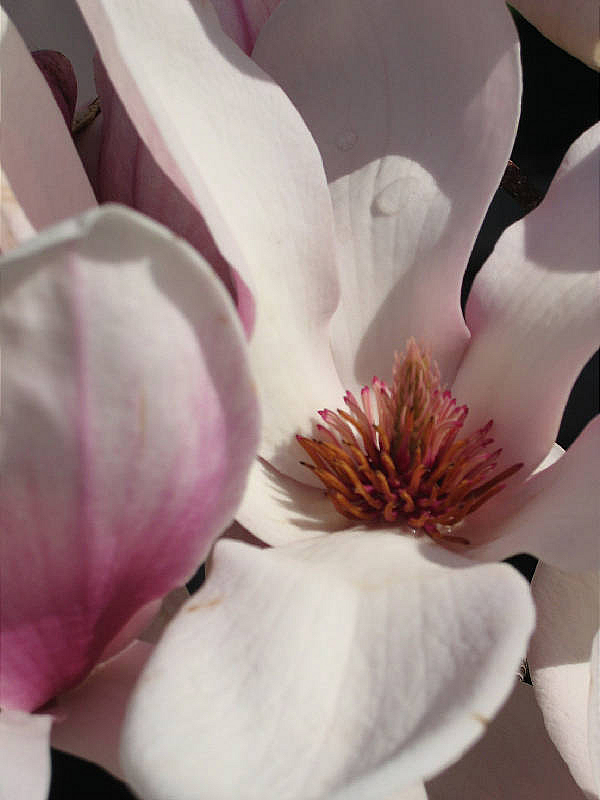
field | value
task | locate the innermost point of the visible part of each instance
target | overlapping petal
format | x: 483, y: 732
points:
x: 336, y: 667
x: 414, y: 107
x: 48, y: 189
x: 564, y: 666
x: 533, y: 313
x: 263, y: 197
x: 130, y: 421
x: 243, y: 19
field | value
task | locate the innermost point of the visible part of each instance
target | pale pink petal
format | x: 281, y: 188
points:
x: 554, y: 515
x: 571, y: 24
x: 24, y: 755
x: 533, y: 313
x: 347, y: 666
x: 243, y: 19
x: 281, y: 510
x: 515, y: 760
x: 129, y: 422
x: 14, y: 225
x: 60, y: 77
x: 594, y: 711
x: 89, y: 717
x: 236, y: 148
x: 414, y: 107
x: 57, y: 25
x: 127, y: 173
x: 36, y: 151
x: 560, y: 660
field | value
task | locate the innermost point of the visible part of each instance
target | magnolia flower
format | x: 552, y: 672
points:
x: 359, y: 662
x: 129, y: 423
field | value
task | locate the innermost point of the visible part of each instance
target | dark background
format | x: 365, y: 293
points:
x: 559, y: 103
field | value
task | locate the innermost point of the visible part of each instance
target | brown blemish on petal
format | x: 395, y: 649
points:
x: 214, y: 601
x: 485, y: 721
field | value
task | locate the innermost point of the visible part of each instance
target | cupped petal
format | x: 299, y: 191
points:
x: 554, y: 515
x: 346, y: 666
x: 57, y: 25
x: 129, y: 422
x: 242, y: 20
x: 560, y: 657
x: 36, y: 151
x: 571, y: 24
x: 533, y: 313
x: 515, y: 759
x: 89, y: 717
x: 234, y: 145
x: 24, y: 755
x: 414, y: 107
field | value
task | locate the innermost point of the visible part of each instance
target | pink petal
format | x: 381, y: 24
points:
x: 571, y: 24
x: 60, y: 77
x: 243, y: 19
x: 560, y: 659
x: 89, y: 718
x: 24, y: 755
x: 533, y: 313
x: 127, y: 173
x: 553, y: 516
x: 131, y: 422
x: 344, y: 667
x: 236, y: 148
x: 515, y: 760
x: 36, y: 151
x: 57, y: 25
x: 414, y: 107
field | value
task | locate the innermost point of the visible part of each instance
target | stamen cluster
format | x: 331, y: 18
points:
x: 396, y: 456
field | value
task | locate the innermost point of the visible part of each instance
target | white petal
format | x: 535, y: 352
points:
x: 414, y: 107
x: 24, y: 755
x: 37, y: 154
x: 281, y: 510
x: 238, y: 150
x: 515, y: 760
x: 89, y: 717
x: 554, y: 515
x: 560, y: 661
x: 347, y: 666
x: 533, y: 313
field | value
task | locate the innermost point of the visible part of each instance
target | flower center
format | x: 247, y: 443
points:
x: 396, y: 456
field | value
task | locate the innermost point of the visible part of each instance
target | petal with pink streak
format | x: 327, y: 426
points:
x: 57, y: 25
x: 571, y: 24
x: 36, y: 151
x: 515, y: 760
x: 24, y: 755
x: 414, y: 107
x: 242, y: 20
x: 342, y: 667
x: 560, y: 659
x: 554, y: 515
x: 234, y: 145
x: 130, y: 422
x: 90, y: 716
x: 533, y: 313
x: 127, y: 173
